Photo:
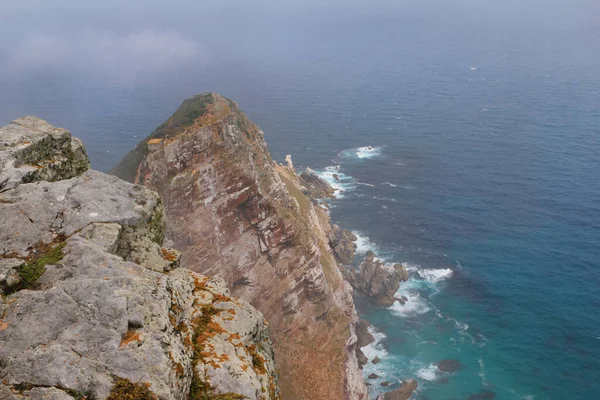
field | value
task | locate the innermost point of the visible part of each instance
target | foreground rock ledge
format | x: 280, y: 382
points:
x: 90, y: 298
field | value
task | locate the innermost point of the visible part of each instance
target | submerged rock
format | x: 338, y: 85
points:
x: 449, y: 365
x: 483, y: 395
x: 377, y: 280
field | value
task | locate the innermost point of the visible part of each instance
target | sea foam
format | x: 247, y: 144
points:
x: 342, y: 185
x: 428, y: 373
x: 435, y: 275
x: 365, y: 152
x: 364, y: 244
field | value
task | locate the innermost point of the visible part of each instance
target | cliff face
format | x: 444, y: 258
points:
x: 236, y: 214
x: 93, y: 306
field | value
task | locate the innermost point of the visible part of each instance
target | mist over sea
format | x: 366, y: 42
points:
x: 484, y: 172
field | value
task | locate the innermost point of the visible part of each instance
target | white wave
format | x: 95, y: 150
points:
x: 368, y: 152
x: 389, y: 184
x: 428, y: 373
x: 414, y: 306
x: 365, y: 152
x: 343, y: 184
x: 435, y: 275
x: 375, y: 349
x: 473, y: 68
x: 365, y: 184
x: 364, y: 244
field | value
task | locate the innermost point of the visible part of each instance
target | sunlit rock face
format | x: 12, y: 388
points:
x: 234, y: 213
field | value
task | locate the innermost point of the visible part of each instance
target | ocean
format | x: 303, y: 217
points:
x: 483, y: 176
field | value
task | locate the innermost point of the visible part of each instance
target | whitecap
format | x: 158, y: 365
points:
x: 364, y: 152
x: 414, y: 306
x: 428, y: 373
x: 364, y: 244
x: 435, y: 275
x: 376, y: 348
x: 365, y: 184
x: 389, y: 184
x: 343, y: 184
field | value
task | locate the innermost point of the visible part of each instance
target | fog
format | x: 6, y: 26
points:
x: 134, y: 40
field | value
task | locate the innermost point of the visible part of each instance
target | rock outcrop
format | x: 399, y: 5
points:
x: 234, y: 213
x: 377, y: 280
x: 314, y: 186
x: 403, y: 393
x: 93, y: 306
x: 343, y: 243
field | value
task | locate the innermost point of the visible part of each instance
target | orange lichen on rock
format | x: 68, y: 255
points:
x: 169, y: 255
x: 130, y: 336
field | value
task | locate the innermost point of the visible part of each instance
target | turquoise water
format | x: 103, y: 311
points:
x: 485, y: 179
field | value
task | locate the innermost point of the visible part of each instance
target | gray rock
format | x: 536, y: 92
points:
x: 32, y: 150
x: 110, y: 301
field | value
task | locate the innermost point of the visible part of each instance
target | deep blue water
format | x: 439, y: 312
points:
x: 485, y: 180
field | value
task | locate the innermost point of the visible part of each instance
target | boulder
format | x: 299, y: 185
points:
x: 375, y: 360
x: 373, y: 376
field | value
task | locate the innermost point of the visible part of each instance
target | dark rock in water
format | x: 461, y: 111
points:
x: 375, y: 360
x: 404, y: 298
x: 405, y: 391
x: 385, y: 384
x: 336, y: 177
x: 343, y: 243
x: 378, y: 280
x: 449, y: 365
x: 373, y: 376
x: 362, y: 359
x: 483, y: 395
x: 400, y: 300
x: 362, y: 333
x: 316, y: 187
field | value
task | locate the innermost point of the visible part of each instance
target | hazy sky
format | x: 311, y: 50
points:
x: 133, y: 39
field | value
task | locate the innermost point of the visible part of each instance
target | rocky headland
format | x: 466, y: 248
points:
x: 236, y: 214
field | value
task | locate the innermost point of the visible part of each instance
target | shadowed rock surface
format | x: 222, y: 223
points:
x: 343, y: 243
x: 314, y: 186
x: 234, y: 213
x: 377, y: 280
x: 91, y: 300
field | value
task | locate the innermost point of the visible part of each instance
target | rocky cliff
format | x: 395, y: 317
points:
x: 93, y: 306
x: 236, y: 214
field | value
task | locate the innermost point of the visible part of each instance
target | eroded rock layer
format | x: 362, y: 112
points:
x: 234, y: 213
x: 93, y: 306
